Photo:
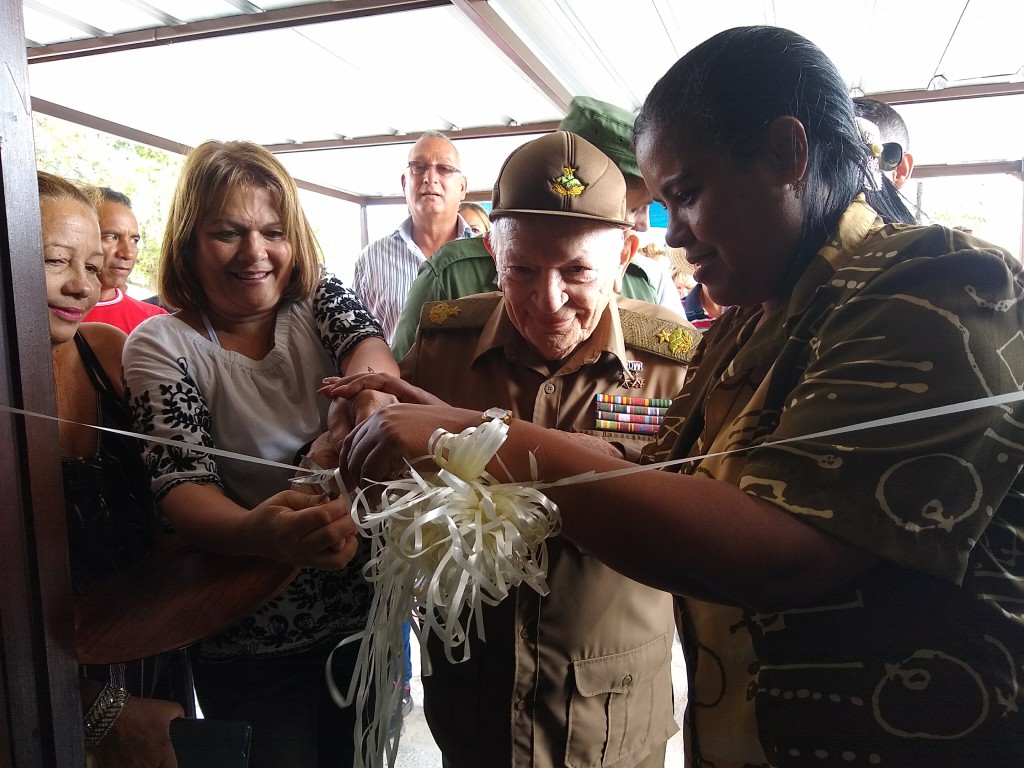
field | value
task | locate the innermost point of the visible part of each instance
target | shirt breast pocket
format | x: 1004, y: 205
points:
x: 619, y: 705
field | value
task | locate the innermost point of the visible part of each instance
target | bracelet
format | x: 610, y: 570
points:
x: 104, y: 713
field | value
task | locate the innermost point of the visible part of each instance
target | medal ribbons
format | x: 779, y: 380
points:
x: 620, y: 400
x: 647, y: 410
x: 636, y: 415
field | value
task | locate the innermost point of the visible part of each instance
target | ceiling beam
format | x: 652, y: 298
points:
x: 1012, y: 167
x: 160, y: 142
x: 279, y: 18
x: 107, y: 126
x: 979, y: 91
x: 485, y: 18
x: 518, y: 129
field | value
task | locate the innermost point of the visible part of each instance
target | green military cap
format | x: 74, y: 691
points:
x: 607, y: 127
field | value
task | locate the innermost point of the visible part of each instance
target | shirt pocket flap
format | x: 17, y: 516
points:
x: 621, y: 671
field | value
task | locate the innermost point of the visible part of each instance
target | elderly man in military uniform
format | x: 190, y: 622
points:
x: 466, y: 266
x: 582, y: 675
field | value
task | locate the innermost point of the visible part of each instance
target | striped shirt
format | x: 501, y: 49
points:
x: 385, y: 270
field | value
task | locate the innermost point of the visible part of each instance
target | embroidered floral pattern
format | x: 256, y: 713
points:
x: 179, y: 405
x: 342, y: 319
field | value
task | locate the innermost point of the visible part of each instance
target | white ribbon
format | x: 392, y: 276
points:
x: 443, y: 545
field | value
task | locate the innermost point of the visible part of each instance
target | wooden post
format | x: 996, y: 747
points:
x: 41, y: 724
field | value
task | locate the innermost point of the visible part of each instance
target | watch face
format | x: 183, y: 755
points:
x: 497, y: 413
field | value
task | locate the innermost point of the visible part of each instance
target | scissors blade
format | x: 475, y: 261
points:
x: 317, y: 476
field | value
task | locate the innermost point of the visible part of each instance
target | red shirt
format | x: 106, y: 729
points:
x: 123, y: 311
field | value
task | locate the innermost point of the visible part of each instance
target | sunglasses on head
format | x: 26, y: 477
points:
x: 892, y: 154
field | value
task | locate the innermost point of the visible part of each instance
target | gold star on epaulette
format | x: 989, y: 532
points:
x: 677, y: 340
x: 441, y: 311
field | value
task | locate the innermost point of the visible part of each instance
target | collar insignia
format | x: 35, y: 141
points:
x: 441, y: 311
x: 567, y: 185
x: 677, y: 340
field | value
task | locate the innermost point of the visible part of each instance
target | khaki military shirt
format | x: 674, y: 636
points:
x: 582, y: 676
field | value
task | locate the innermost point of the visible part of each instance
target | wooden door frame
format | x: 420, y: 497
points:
x: 42, y: 714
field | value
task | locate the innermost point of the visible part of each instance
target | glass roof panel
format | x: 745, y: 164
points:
x: 403, y: 72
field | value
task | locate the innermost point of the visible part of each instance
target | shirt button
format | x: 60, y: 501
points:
x: 521, y: 705
x: 524, y: 633
x: 549, y: 388
x: 627, y: 680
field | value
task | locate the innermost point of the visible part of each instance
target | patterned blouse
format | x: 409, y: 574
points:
x: 182, y: 386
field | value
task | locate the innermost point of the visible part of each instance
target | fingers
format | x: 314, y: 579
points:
x: 328, y: 537
x: 336, y: 558
x: 350, y: 386
x: 297, y: 515
x: 374, y: 451
x: 368, y: 402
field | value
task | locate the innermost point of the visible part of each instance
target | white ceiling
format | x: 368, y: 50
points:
x: 339, y: 88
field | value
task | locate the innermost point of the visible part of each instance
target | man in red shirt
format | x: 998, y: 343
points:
x: 119, y: 236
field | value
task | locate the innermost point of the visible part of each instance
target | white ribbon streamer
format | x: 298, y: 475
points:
x: 443, y: 546
x: 179, y: 444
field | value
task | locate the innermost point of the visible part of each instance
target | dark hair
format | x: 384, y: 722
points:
x: 890, y: 123
x: 731, y: 87
x: 115, y: 197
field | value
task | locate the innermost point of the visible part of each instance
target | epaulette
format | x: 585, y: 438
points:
x: 662, y: 337
x: 468, y: 312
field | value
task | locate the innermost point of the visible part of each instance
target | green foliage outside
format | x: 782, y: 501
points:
x: 147, y: 175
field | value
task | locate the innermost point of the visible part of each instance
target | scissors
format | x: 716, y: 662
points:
x: 328, y: 480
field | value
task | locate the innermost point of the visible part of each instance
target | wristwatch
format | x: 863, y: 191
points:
x: 496, y: 414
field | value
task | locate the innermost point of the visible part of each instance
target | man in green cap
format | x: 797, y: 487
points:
x: 465, y: 267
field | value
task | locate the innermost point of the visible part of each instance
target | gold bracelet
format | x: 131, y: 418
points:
x: 104, y: 713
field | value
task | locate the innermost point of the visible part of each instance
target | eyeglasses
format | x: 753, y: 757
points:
x: 418, y: 168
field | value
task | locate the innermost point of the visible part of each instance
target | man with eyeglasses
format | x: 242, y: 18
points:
x: 119, y: 236
x: 434, y: 186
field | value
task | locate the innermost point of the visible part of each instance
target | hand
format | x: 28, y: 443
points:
x: 344, y: 414
x: 140, y: 737
x: 378, y: 448
x: 293, y: 527
x: 350, y: 386
x: 323, y: 453
x: 357, y: 397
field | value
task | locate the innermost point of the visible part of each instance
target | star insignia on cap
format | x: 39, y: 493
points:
x: 567, y: 185
x: 441, y: 311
